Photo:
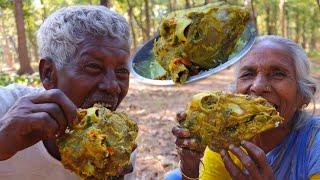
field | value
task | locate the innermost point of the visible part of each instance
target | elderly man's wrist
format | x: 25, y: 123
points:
x: 5, y: 151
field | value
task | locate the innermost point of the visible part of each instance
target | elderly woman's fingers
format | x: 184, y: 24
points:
x: 180, y: 132
x: 181, y: 116
x: 189, y: 143
x: 258, y: 156
x: 247, y: 162
x: 234, y: 171
x: 190, y: 161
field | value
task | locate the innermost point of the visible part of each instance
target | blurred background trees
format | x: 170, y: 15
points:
x: 298, y: 20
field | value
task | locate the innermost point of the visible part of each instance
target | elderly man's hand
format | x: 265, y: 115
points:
x: 34, y: 118
x: 255, y: 163
x: 188, y: 149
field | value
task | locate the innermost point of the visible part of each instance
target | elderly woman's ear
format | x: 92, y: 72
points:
x: 48, y: 73
x: 306, y: 99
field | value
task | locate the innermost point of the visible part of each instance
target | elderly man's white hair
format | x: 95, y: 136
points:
x: 61, y: 33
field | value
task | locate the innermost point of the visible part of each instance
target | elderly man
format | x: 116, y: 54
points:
x: 84, y: 60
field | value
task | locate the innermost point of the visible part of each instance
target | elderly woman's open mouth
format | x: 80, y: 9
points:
x: 219, y: 119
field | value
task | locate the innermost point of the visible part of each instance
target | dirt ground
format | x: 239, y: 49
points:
x: 155, y: 108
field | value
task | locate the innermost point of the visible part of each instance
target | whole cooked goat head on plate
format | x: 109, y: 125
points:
x: 198, y: 39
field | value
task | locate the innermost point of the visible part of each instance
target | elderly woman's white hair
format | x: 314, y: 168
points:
x: 61, y: 33
x: 308, y: 86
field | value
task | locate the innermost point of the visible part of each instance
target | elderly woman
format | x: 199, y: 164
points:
x: 84, y: 59
x: 278, y: 70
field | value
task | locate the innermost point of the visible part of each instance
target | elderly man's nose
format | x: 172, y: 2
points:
x: 260, y: 85
x: 110, y: 84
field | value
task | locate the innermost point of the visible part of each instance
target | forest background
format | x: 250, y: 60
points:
x: 153, y: 107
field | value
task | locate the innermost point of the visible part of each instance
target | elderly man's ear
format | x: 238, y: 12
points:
x: 48, y: 74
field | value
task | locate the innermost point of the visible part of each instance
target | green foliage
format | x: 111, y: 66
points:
x: 28, y: 80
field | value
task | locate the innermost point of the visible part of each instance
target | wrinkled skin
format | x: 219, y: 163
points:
x: 198, y: 39
x: 97, y: 72
x: 267, y: 71
x: 100, y: 144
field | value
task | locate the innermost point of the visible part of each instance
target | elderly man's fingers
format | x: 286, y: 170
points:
x: 55, y: 112
x: 135, y: 146
x: 125, y: 170
x: 258, y: 155
x: 58, y: 97
x: 180, y: 132
x: 181, y: 116
x: 42, y: 122
x: 232, y: 168
x: 247, y: 162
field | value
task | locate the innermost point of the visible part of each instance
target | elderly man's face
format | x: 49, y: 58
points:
x: 98, y: 73
x: 268, y: 71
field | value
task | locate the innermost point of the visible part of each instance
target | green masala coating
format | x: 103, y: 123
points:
x: 218, y: 119
x: 100, y: 144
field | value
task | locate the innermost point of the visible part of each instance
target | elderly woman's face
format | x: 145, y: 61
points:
x: 98, y: 73
x: 268, y: 71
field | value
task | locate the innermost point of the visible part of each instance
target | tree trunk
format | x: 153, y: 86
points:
x: 304, y: 38
x: 297, y: 39
x: 148, y: 27
x: 252, y: 13
x: 33, y: 42
x: 314, y: 29
x: 170, y: 5
x: 187, y: 5
x: 206, y: 2
x: 7, y: 56
x: 134, y: 39
x: 105, y: 3
x: 193, y: 3
x: 44, y: 10
x: 174, y: 5
x: 24, y: 60
x: 282, y: 9
x: 267, y: 19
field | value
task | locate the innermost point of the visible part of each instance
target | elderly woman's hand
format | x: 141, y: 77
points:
x: 255, y: 163
x: 188, y: 149
x: 34, y: 118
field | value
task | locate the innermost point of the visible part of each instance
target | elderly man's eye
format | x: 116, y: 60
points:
x: 93, y: 68
x: 122, y: 70
x: 247, y: 74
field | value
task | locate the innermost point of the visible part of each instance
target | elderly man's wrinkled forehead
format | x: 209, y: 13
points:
x: 107, y: 41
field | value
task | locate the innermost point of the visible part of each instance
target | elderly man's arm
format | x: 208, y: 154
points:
x: 33, y: 118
